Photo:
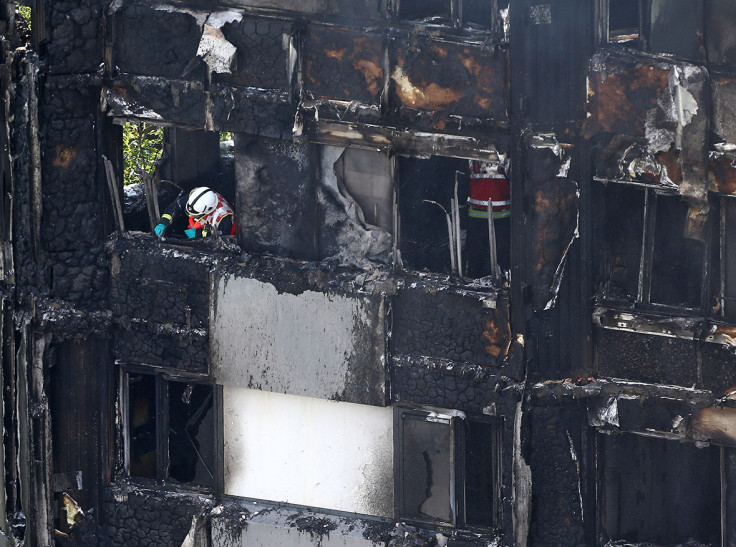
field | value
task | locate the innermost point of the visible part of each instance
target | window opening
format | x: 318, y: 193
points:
x: 483, y: 472
x: 624, y: 21
x: 445, y: 225
x: 427, y: 463
x: 480, y: 12
x: 646, y: 257
x: 448, y: 468
x: 425, y: 10
x: 143, y: 145
x: 170, y: 429
x: 658, y: 491
x: 23, y: 21
x: 677, y: 265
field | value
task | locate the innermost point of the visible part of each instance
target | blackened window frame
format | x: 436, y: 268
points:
x: 456, y: 422
x: 163, y: 377
x: 647, y: 254
x: 457, y: 18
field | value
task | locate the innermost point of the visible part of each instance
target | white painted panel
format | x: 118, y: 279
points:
x: 308, y: 451
x: 313, y: 343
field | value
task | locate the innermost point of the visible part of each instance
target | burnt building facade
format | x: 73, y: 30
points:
x: 334, y: 374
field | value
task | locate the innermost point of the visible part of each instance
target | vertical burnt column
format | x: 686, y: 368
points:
x: 550, y: 45
x: 68, y: 201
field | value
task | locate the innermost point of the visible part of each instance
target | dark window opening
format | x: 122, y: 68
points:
x: 658, y: 491
x: 170, y: 429
x: 448, y: 469
x: 483, y: 472
x: 624, y: 21
x: 646, y: 257
x: 425, y: 10
x: 442, y: 230
x: 142, y: 425
x: 479, y: 12
x: 723, y: 253
x: 677, y: 265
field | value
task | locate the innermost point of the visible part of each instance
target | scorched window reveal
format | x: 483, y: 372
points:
x: 168, y: 427
x: 447, y: 468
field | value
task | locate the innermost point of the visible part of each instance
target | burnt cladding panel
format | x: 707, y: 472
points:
x: 556, y: 505
x: 559, y: 41
x: 448, y: 326
x: 646, y: 358
x: 449, y: 78
x: 74, y: 42
x: 155, y: 42
x: 262, y: 56
x: 344, y: 64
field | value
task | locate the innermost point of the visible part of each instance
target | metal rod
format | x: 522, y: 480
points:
x: 458, y: 242
x: 449, y: 233
x: 492, y: 242
x: 114, y: 196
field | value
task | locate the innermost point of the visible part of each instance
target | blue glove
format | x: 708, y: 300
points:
x: 159, y: 230
x: 191, y: 233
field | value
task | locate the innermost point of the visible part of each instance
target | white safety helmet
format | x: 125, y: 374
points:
x: 202, y: 201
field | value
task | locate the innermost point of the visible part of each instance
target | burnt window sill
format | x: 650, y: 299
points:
x: 686, y: 327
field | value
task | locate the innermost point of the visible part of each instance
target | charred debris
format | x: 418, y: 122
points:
x: 337, y: 372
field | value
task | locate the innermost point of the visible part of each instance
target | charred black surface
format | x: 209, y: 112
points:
x: 161, y: 307
x: 554, y: 227
x: 151, y: 42
x: 344, y: 64
x: 149, y: 517
x: 179, y: 101
x: 449, y: 325
x: 647, y: 358
x: 278, y: 206
x: 73, y: 214
x: 434, y: 76
x: 556, y: 451
x: 75, y: 36
x: 425, y: 381
x: 240, y: 110
x: 263, y: 53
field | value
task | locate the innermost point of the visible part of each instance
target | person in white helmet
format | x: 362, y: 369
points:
x: 206, y: 210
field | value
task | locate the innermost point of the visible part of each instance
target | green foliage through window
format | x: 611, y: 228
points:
x: 143, y: 144
x: 25, y: 13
